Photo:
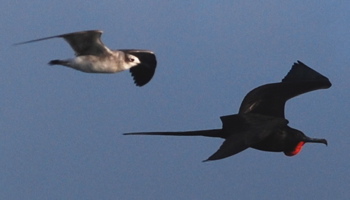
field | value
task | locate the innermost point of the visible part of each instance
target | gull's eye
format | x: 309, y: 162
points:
x: 131, y: 59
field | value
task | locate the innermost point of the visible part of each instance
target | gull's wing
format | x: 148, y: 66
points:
x: 143, y: 72
x: 270, y: 99
x: 83, y: 42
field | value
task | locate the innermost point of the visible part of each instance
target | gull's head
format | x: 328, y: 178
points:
x: 132, y: 60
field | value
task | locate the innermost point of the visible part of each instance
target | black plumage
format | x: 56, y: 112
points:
x: 260, y: 122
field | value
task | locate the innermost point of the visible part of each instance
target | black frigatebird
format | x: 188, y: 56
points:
x: 260, y: 122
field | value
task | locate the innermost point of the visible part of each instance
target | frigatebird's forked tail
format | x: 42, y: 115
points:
x: 207, y: 133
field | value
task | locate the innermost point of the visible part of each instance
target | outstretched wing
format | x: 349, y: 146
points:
x: 231, y: 146
x: 270, y: 99
x: 250, y: 130
x: 143, y: 72
x: 83, y: 42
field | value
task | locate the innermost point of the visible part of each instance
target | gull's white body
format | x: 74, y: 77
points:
x: 95, y: 64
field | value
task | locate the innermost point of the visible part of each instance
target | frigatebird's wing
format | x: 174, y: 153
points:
x: 270, y: 99
x: 252, y: 130
x: 83, y: 42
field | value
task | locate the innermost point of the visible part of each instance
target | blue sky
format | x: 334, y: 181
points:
x: 61, y: 129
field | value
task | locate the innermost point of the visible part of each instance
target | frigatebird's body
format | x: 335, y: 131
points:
x: 260, y: 122
x: 93, y: 56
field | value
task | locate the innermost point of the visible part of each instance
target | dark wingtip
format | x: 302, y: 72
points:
x: 144, y: 72
x: 36, y: 40
x: 213, y: 157
x: 301, y: 72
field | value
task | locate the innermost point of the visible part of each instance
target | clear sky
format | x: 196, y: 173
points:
x: 61, y: 129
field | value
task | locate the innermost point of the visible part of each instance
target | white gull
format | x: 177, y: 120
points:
x: 93, y: 56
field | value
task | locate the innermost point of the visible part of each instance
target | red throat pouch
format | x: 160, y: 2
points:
x: 296, y: 150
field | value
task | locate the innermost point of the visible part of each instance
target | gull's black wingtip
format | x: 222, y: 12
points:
x: 36, y: 40
x: 144, y: 72
x: 141, y: 75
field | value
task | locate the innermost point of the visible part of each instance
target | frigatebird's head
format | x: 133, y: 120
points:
x: 296, y: 141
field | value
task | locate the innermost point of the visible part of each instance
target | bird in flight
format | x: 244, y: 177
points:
x: 93, y: 56
x: 260, y: 122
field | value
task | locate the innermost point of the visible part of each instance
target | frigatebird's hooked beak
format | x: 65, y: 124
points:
x: 316, y: 140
